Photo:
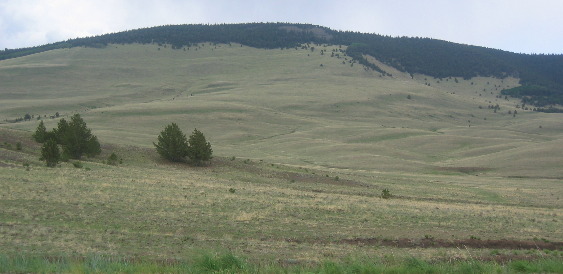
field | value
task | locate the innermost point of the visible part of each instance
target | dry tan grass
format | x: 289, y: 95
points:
x: 499, y: 178
x: 149, y: 208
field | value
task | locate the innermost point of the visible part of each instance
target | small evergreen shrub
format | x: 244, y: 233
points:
x: 386, y: 194
x: 113, y: 159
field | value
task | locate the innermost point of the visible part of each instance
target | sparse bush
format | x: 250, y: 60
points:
x: 232, y: 190
x: 77, y: 164
x: 112, y: 159
x: 18, y: 146
x: 386, y: 194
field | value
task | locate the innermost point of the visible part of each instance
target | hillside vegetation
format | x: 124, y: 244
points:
x: 304, y: 142
x: 281, y: 105
x: 541, y: 74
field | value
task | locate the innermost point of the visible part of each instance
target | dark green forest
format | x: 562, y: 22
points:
x: 541, y: 76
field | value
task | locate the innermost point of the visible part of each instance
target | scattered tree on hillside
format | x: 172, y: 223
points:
x: 113, y: 159
x: 40, y: 134
x: 199, y: 150
x: 50, y: 153
x: 77, y: 139
x: 173, y: 146
x: 172, y: 143
x: 59, y: 132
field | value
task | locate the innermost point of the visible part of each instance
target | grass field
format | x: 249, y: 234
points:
x: 303, y: 152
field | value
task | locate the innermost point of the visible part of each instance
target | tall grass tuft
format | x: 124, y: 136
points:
x: 216, y: 263
x: 229, y: 263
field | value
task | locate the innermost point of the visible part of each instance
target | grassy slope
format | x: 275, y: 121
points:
x: 279, y: 106
x: 146, y: 207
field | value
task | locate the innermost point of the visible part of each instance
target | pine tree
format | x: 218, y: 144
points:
x: 40, y: 134
x: 76, y: 138
x: 172, y: 144
x: 60, y: 131
x: 50, y: 153
x: 199, y: 150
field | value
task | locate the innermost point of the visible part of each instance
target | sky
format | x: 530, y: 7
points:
x: 520, y: 26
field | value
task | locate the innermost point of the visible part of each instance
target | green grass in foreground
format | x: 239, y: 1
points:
x: 229, y: 263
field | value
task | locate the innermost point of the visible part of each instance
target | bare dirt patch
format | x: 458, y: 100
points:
x: 467, y: 243
x: 466, y: 170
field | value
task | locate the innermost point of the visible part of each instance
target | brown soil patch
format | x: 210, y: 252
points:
x: 467, y: 243
x: 466, y: 170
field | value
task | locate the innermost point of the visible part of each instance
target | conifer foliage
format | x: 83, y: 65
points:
x: 173, y: 145
x: 40, y: 134
x: 75, y: 138
x: 50, y: 153
x: 199, y: 150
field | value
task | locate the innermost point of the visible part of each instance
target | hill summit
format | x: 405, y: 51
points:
x: 541, y: 76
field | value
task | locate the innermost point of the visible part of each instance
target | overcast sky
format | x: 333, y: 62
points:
x: 514, y: 25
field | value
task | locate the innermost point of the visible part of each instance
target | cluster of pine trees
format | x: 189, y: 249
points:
x: 75, y: 138
x: 173, y: 145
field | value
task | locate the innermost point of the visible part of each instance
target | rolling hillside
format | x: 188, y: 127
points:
x: 305, y: 139
x: 298, y: 106
x: 540, y: 75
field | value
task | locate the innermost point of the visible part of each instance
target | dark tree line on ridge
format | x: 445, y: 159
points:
x: 541, y: 75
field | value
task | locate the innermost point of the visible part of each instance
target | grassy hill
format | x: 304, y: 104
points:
x: 306, y: 141
x: 540, y: 75
x: 283, y: 106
